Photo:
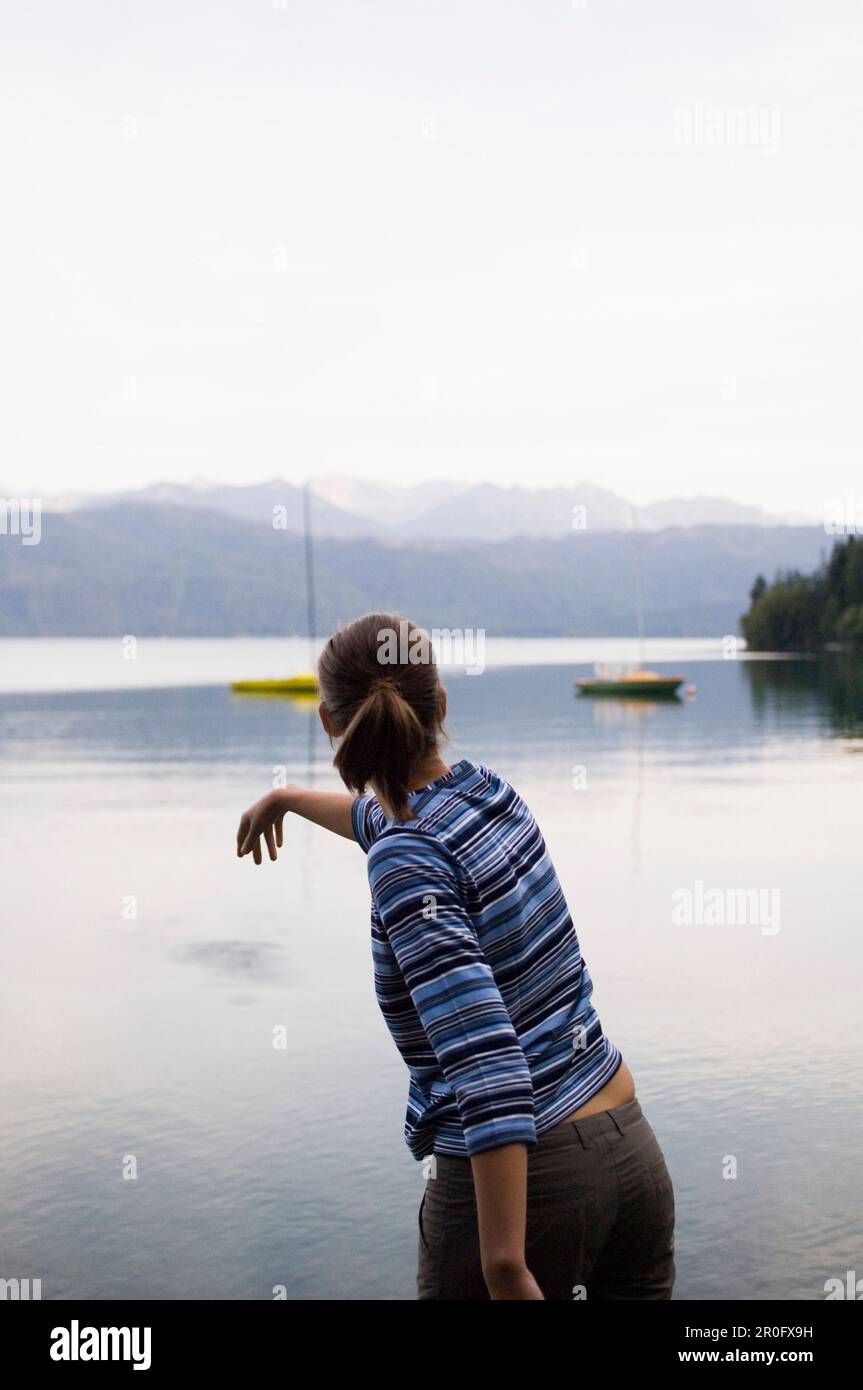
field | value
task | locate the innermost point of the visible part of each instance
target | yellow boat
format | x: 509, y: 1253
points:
x: 638, y: 683
x: 304, y: 684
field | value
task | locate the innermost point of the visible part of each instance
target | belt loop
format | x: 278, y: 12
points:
x: 582, y: 1140
x: 615, y: 1122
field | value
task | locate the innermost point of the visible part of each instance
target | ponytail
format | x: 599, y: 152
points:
x: 381, y: 745
x: 388, y: 715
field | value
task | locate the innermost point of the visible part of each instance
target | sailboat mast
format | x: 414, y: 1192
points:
x: 310, y: 572
x: 639, y: 586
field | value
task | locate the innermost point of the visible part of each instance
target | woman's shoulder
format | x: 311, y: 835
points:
x: 481, y: 772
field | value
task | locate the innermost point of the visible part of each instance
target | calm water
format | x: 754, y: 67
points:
x: 151, y: 1035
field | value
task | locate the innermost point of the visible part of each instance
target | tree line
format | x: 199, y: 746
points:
x: 808, y: 612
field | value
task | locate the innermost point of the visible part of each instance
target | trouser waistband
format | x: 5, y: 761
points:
x: 618, y: 1120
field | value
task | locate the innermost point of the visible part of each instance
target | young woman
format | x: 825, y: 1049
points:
x: 547, y: 1181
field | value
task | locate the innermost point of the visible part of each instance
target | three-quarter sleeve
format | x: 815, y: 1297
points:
x: 417, y: 893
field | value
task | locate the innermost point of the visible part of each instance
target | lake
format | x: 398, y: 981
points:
x: 146, y: 968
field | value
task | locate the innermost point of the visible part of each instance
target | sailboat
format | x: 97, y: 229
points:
x: 633, y: 681
x: 305, y: 683
x: 639, y: 683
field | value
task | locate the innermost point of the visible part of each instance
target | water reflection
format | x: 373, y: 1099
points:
x: 255, y: 960
x: 610, y: 711
x: 830, y: 686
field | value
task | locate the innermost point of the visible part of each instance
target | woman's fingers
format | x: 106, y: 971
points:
x: 252, y: 828
x: 252, y: 838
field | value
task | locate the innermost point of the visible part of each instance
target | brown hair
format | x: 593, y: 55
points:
x: 379, y: 683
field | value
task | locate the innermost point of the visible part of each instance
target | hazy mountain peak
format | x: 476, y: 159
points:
x: 440, y: 510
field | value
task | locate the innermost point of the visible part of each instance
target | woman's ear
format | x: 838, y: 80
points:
x: 326, y: 720
x: 441, y: 704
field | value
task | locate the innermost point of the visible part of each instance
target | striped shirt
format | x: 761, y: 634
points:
x: 478, y: 971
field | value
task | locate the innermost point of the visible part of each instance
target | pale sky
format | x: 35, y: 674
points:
x: 410, y: 239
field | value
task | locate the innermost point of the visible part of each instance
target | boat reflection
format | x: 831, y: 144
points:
x: 300, y: 699
x: 610, y: 712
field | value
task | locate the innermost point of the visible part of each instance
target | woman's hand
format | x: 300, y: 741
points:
x: 263, y: 821
x: 512, y: 1282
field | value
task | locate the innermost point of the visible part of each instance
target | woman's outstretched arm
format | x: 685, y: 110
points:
x: 263, y: 821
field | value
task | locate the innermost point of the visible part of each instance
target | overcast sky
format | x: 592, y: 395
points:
x: 410, y: 239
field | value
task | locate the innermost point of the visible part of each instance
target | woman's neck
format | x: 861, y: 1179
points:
x: 429, y: 771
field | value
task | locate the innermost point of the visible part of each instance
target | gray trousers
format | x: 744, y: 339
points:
x: 600, y: 1216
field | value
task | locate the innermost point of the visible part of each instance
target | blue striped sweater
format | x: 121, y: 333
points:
x: 478, y: 970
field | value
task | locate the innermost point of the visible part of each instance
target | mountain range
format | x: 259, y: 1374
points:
x: 352, y: 508
x: 161, y: 568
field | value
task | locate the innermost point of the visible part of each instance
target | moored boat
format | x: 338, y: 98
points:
x: 629, y: 684
x: 306, y: 683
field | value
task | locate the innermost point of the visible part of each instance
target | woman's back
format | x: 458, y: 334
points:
x: 478, y: 970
